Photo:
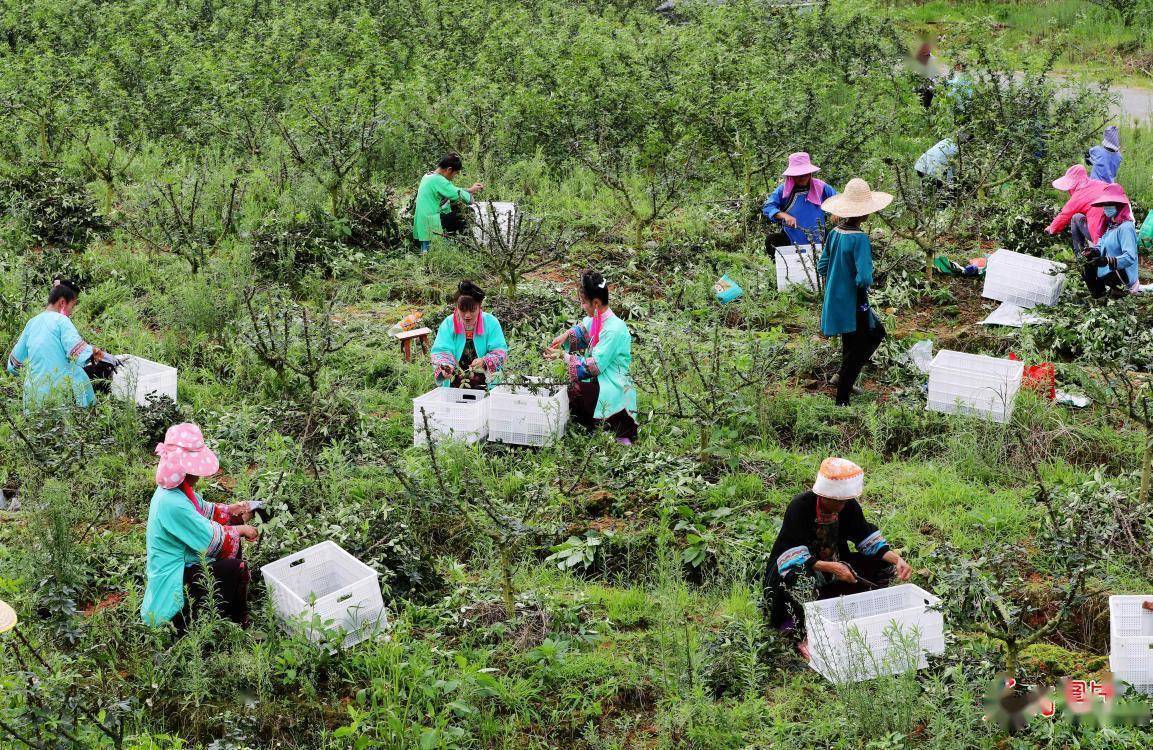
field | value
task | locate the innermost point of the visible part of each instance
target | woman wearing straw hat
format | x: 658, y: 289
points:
x: 1112, y: 262
x: 184, y: 529
x: 846, y: 264
x: 796, y: 203
x: 813, y: 545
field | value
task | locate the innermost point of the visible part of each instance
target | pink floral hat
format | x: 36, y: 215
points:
x: 800, y: 164
x: 184, y: 452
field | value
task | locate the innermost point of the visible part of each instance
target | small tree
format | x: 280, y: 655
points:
x: 1127, y: 9
x: 516, y: 247
x: 181, y: 217
x: 704, y: 387
x: 290, y: 337
x: 330, y: 141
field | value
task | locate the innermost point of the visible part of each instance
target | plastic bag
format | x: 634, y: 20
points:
x: 921, y: 355
x: 727, y: 290
x: 1041, y: 378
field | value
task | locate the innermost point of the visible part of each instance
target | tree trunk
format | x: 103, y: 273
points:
x: 929, y: 267
x: 506, y: 590
x: 1146, y: 457
x: 706, y: 437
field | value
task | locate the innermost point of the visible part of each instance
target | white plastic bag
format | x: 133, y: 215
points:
x: 920, y: 355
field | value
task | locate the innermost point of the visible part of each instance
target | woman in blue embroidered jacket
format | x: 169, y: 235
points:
x: 470, y: 345
x: 813, y: 544
x: 51, y: 354
x: 796, y: 203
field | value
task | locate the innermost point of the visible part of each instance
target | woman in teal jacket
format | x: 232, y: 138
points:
x: 598, y: 354
x: 846, y: 265
x: 470, y: 345
x: 189, y: 538
x: 51, y: 354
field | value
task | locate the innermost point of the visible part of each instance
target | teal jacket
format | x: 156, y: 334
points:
x: 846, y: 264
x: 449, y: 345
x: 51, y: 355
x: 608, y: 362
x: 180, y: 533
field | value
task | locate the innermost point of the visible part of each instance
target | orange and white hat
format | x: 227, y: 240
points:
x: 839, y: 479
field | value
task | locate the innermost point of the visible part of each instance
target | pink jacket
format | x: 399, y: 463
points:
x: 1080, y: 201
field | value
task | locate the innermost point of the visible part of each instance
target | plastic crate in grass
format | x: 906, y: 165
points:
x: 1022, y: 279
x: 322, y: 589
x: 454, y: 413
x: 973, y: 384
x: 797, y: 265
x: 883, y: 632
x: 531, y: 414
x: 138, y: 378
x: 1131, y: 641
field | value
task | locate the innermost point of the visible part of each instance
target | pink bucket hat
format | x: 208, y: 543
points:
x: 1112, y: 193
x: 1072, y: 178
x: 799, y: 164
x: 184, y: 452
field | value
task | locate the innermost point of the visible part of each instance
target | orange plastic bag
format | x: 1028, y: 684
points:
x: 1041, y: 378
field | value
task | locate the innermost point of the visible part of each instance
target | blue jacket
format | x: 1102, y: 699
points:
x: 846, y: 264
x: 1120, y: 242
x: 1105, y: 164
x: 798, y: 206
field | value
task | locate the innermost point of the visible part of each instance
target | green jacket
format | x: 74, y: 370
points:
x: 433, y: 198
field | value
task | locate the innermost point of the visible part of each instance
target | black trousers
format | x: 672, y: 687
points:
x: 230, y: 582
x: 856, y: 349
x: 775, y: 239
x: 582, y: 404
x: 1099, y: 285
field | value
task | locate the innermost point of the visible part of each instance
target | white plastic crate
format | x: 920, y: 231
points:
x: 527, y: 415
x: 1131, y: 641
x: 137, y: 378
x: 505, y: 214
x: 454, y: 413
x: 974, y: 384
x: 1022, y: 279
x: 883, y: 632
x: 324, y: 588
x: 797, y: 265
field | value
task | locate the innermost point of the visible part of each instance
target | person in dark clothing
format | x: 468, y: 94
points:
x: 812, y: 549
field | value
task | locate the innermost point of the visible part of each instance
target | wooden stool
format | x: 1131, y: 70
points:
x: 405, y: 338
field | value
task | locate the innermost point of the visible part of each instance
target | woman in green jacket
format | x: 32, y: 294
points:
x: 469, y: 345
x: 435, y: 196
x: 598, y: 354
x: 846, y: 265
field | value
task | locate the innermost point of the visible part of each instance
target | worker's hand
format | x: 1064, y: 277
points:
x: 251, y: 533
x: 551, y: 353
x: 558, y: 342
x: 1099, y: 262
x: 477, y: 365
x: 476, y: 188
x: 838, y: 570
x: 788, y: 220
x: 241, y: 511
x: 904, y: 570
x: 1091, y: 253
x: 97, y: 354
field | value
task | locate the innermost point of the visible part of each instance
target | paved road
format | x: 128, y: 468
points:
x: 1135, y: 103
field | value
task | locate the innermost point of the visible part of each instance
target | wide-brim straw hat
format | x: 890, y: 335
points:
x: 8, y: 617
x: 856, y: 200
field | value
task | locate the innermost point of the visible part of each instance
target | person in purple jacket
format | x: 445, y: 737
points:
x: 796, y: 204
x: 1105, y: 160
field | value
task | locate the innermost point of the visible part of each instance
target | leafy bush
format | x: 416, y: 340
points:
x: 53, y: 208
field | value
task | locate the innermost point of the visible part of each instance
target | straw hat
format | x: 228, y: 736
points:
x: 857, y: 200
x: 7, y: 617
x: 839, y: 479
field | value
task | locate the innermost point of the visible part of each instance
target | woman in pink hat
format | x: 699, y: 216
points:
x: 796, y: 204
x: 1112, y: 262
x: 188, y: 537
x: 1085, y: 221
